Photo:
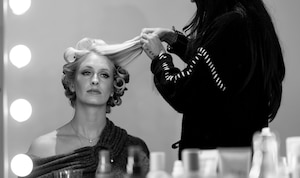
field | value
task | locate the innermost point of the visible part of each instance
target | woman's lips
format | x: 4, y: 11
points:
x: 95, y: 92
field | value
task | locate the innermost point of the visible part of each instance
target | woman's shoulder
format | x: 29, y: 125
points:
x: 238, y: 15
x: 235, y: 17
x: 44, y: 145
x: 226, y: 28
x: 134, y: 140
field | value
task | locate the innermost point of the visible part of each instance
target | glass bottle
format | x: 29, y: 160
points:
x: 104, y: 165
x: 177, y: 171
x: 157, y: 166
x: 265, y: 155
x: 190, y: 160
x: 134, y: 164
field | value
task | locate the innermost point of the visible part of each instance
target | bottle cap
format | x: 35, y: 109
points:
x: 190, y: 159
x: 266, y: 131
x: 177, y: 168
x: 157, y: 161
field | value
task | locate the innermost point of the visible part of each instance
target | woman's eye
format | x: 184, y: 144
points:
x: 104, y: 75
x: 86, y: 73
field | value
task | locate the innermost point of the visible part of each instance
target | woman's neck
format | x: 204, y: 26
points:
x: 89, y: 121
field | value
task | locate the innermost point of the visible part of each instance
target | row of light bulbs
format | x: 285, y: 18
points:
x: 20, y: 56
x: 20, y: 109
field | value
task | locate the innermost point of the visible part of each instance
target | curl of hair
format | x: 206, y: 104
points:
x: 69, y: 71
x: 121, y: 78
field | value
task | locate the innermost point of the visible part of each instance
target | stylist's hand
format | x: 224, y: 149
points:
x: 152, y: 45
x: 164, y: 34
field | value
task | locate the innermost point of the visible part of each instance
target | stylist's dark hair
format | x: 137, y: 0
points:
x: 264, y: 43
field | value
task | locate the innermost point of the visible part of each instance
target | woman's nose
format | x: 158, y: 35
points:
x: 95, y: 80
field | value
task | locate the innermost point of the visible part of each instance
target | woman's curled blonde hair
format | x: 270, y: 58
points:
x: 120, y: 54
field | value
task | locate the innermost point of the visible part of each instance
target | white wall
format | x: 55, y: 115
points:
x: 50, y: 26
x: 286, y: 19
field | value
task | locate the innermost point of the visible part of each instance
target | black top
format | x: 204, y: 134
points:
x: 113, y: 138
x: 219, y: 108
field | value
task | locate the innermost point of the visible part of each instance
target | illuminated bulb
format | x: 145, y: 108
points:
x: 20, y: 110
x: 20, y: 56
x: 21, y: 165
x: 19, y: 7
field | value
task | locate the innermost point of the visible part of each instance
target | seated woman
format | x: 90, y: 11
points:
x: 94, y: 81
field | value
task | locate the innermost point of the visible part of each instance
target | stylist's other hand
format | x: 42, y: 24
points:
x: 164, y: 34
x: 152, y: 45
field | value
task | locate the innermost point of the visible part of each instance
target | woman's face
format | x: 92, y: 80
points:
x: 94, y: 80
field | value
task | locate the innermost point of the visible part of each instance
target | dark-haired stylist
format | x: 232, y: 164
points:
x: 231, y: 86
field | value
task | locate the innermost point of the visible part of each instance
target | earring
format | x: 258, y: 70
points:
x: 72, y: 88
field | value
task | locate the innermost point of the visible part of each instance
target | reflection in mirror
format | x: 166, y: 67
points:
x: 48, y: 27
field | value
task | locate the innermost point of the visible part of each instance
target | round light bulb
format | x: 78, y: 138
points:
x: 21, y: 165
x: 19, y: 7
x: 20, y: 56
x: 20, y: 110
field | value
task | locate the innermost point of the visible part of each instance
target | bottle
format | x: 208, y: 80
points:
x: 265, y: 155
x: 104, y: 165
x: 157, y: 166
x: 134, y: 165
x: 190, y: 160
x: 283, y: 170
x: 177, y: 171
